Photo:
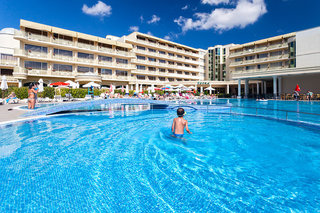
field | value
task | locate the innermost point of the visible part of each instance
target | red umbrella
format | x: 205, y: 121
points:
x: 157, y: 89
x: 297, y: 88
x: 59, y: 84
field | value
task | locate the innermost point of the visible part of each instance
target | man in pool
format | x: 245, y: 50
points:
x: 179, y: 123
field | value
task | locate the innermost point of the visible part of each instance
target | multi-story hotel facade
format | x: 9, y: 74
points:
x: 278, y: 64
x: 54, y: 54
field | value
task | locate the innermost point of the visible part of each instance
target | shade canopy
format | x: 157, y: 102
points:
x: 4, y: 84
x: 297, y: 88
x: 210, y: 88
x: 71, y: 84
x: 91, y: 84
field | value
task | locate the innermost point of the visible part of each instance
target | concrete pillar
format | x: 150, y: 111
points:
x: 279, y: 86
x: 20, y: 83
x: 228, y: 89
x: 201, y: 89
x: 137, y: 88
x: 246, y: 88
x: 131, y: 87
x: 140, y: 88
x: 258, y: 92
x: 265, y: 87
x: 275, y: 91
x: 239, y: 88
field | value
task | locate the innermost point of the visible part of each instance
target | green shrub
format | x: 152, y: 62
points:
x: 48, y: 92
x: 21, y: 93
x: 79, y: 93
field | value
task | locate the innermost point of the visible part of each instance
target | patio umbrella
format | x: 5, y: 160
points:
x: 91, y: 84
x: 71, y: 84
x: 59, y: 84
x: 297, y: 88
x: 191, y: 87
x: 40, y: 85
x: 210, y: 89
x: 4, y: 84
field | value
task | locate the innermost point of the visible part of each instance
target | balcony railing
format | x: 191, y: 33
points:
x: 5, y: 62
x: 86, y: 60
x: 87, y: 46
x: 62, y: 57
x: 37, y: 72
x: 31, y: 36
x: 63, y: 41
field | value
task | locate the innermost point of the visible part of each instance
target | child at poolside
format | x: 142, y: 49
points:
x: 179, y: 123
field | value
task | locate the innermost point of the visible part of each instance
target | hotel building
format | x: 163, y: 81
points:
x: 158, y: 61
x: 277, y: 64
x: 56, y: 54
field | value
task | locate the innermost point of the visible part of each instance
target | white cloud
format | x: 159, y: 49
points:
x: 167, y: 37
x: 134, y: 28
x: 141, y: 19
x: 215, y: 2
x: 154, y: 19
x: 99, y: 9
x: 149, y: 33
x: 185, y: 7
x: 246, y: 12
x: 171, y: 36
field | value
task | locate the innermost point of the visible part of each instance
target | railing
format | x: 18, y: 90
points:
x: 87, y: 46
x: 32, y: 36
x: 62, y: 57
x: 8, y: 62
x: 63, y: 41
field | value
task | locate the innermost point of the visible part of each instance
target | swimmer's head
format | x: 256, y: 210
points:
x: 180, y: 112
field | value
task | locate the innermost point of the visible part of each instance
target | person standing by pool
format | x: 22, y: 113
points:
x: 179, y: 124
x: 309, y: 95
x: 31, y: 98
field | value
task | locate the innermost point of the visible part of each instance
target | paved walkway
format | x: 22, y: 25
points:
x: 8, y: 113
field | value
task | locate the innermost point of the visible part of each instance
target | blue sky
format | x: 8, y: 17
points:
x: 197, y: 23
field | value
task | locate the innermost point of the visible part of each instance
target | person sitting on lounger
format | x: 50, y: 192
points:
x: 12, y: 98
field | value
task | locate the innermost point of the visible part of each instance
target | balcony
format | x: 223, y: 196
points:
x: 63, y: 42
x: 86, y: 46
x: 62, y: 57
x: 105, y: 49
x: 31, y: 36
x: 62, y: 73
x: 30, y: 54
x: 37, y: 72
x: 9, y: 63
x: 85, y: 60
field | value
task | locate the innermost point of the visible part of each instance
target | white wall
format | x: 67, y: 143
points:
x: 7, y: 42
x: 306, y: 82
x: 308, y: 48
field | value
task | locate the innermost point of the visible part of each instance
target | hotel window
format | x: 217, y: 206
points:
x: 62, y: 52
x: 162, y: 44
x: 171, y: 62
x: 194, y: 74
x: 162, y: 70
x: 171, y: 79
x: 121, y: 49
x: 179, y: 72
x: 224, y: 51
x: 187, y: 58
x: 152, y: 41
x: 34, y: 31
x: 162, y: 52
x: 275, y: 54
x: 193, y: 59
x: 162, y: 61
x: 264, y: 55
x: 139, y: 67
x: 62, y: 67
x: 170, y: 54
x: 35, y: 65
x: 186, y: 79
x: 152, y: 50
x: 250, y: 67
x: 251, y: 57
x: 152, y: 59
x: 217, y: 50
x: 262, y: 66
x: 85, y: 55
x: 84, y: 41
x: 187, y: 73
x: 104, y: 71
x: 152, y: 78
x: 105, y: 46
x: 141, y: 48
x: 179, y: 79
x: 141, y: 77
x: 121, y: 73
x: 141, y: 57
x: 179, y: 56
x: 194, y: 66
x: 64, y: 37
x: 85, y: 69
x: 33, y: 48
x: 152, y: 69
x: 171, y: 71
x: 162, y: 78
x: 121, y: 61
x: 104, y: 58
x: 186, y: 65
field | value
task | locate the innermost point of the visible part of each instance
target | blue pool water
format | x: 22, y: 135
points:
x: 126, y: 161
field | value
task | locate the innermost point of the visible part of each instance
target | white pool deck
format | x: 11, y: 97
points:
x: 9, y: 112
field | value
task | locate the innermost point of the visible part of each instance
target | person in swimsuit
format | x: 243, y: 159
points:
x: 31, y: 97
x: 179, y: 124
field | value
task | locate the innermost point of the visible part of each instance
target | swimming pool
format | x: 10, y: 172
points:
x: 126, y: 160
